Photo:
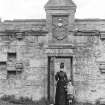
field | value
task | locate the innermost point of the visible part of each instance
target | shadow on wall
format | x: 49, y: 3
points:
x: 12, y: 100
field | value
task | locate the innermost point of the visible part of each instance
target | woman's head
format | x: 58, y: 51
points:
x: 61, y: 65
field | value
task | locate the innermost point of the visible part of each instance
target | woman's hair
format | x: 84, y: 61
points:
x: 61, y: 65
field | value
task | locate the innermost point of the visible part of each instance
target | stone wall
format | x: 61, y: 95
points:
x: 32, y: 81
x: 89, y: 81
x: 88, y: 54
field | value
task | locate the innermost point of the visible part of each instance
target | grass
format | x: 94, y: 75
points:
x: 12, y: 100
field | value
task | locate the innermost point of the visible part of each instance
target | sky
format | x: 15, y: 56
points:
x: 34, y: 9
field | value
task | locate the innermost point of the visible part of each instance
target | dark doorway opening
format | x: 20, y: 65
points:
x: 53, y: 67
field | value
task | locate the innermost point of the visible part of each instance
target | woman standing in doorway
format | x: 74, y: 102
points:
x: 61, y: 78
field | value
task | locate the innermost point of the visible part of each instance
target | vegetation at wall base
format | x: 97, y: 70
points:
x: 12, y: 100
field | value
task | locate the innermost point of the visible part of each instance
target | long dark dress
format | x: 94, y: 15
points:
x: 60, y: 97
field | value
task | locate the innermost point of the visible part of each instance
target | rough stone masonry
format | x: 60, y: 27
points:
x: 31, y: 51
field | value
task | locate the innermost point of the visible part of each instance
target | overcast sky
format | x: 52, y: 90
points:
x: 34, y: 9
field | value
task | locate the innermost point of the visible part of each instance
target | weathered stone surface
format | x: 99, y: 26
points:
x: 87, y: 49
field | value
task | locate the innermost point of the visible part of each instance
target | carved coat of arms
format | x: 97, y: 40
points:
x: 60, y: 24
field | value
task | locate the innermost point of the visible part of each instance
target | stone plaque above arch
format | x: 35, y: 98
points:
x: 60, y: 27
